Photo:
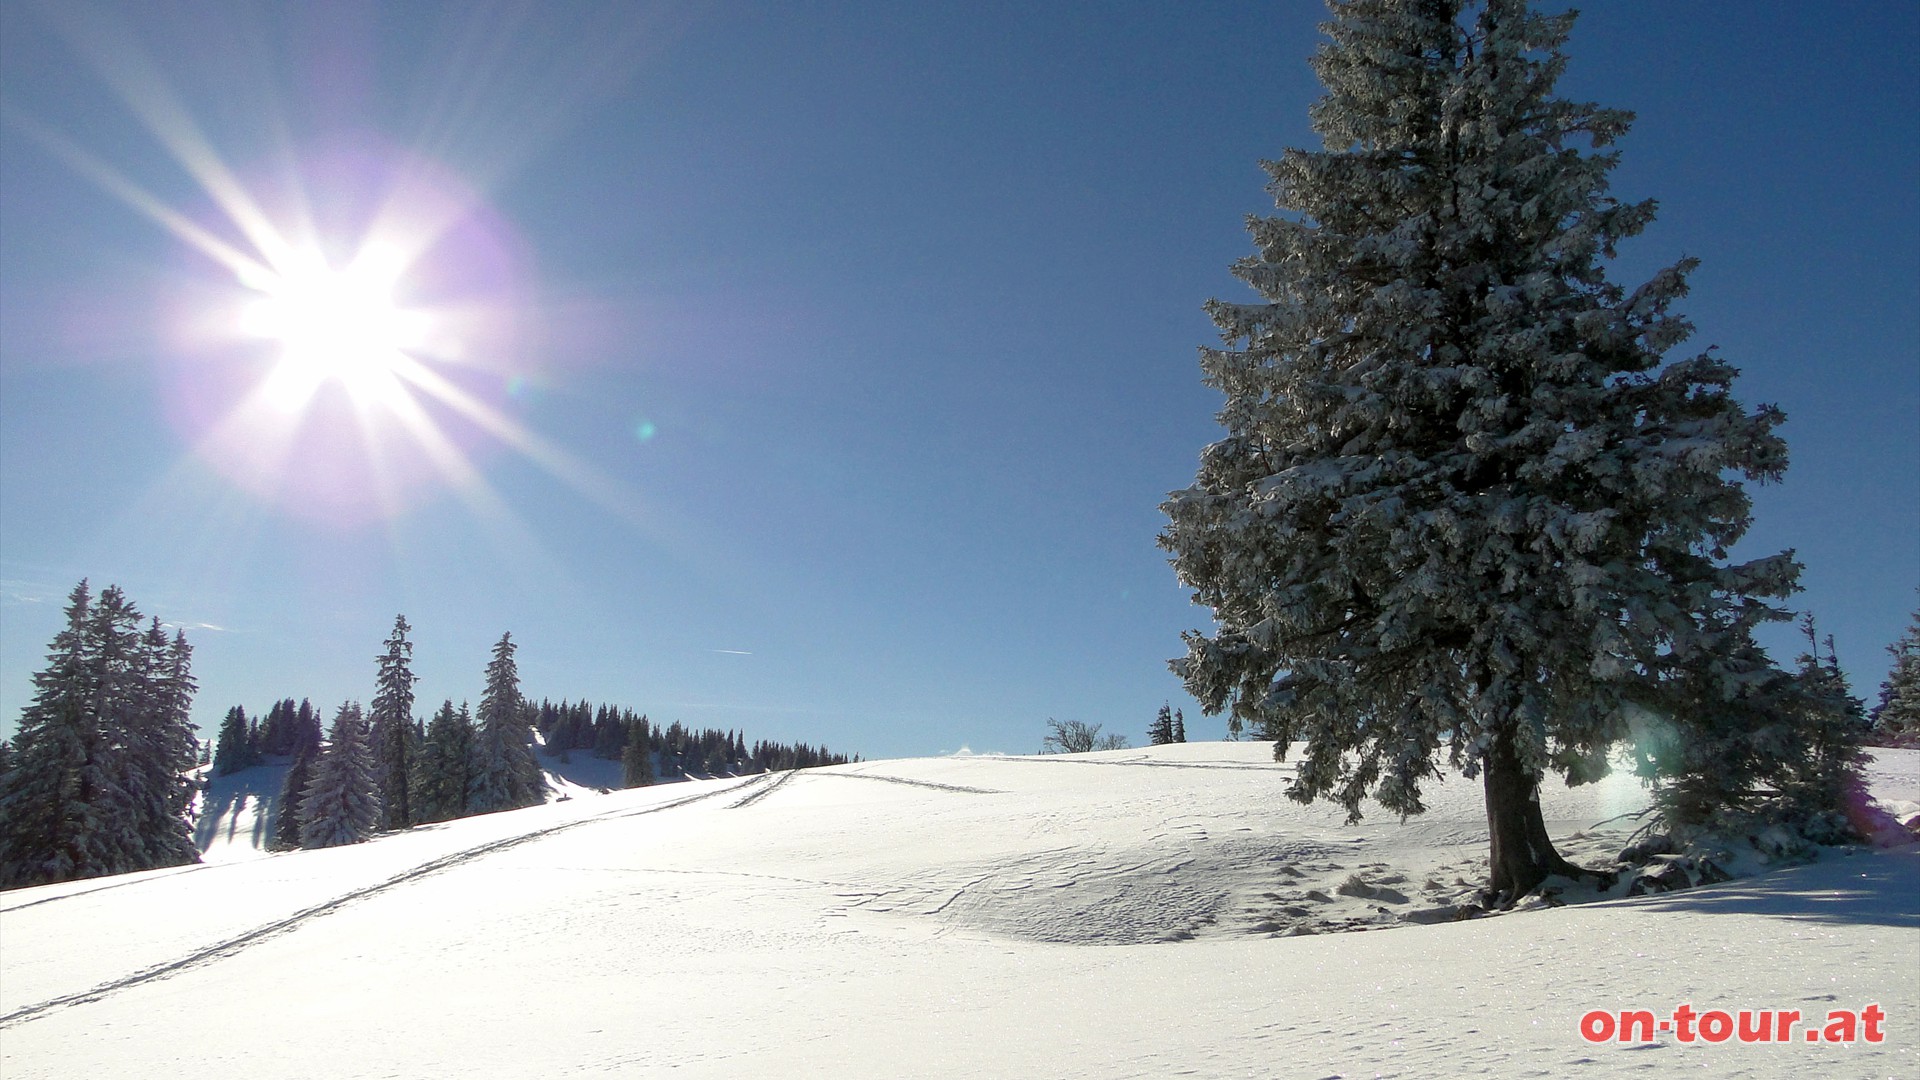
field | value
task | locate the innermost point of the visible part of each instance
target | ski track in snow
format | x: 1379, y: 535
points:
x: 233, y: 945
x: 761, y: 791
x: 1144, y: 763
x: 934, y: 785
x: 121, y: 883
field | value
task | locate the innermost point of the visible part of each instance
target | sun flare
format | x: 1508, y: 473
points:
x: 335, y: 326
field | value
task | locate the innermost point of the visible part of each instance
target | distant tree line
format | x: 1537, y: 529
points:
x: 609, y: 731
x: 286, y: 730
x: 382, y: 769
x: 99, y: 778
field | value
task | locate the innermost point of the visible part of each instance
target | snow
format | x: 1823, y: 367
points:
x: 235, y: 811
x: 1145, y: 912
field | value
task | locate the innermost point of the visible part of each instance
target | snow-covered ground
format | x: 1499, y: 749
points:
x: 1133, y: 913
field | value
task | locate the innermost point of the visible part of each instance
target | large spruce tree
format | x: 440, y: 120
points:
x: 164, y: 749
x: 393, y: 730
x: 505, y: 774
x: 48, y: 810
x: 1463, y: 510
x: 341, y: 802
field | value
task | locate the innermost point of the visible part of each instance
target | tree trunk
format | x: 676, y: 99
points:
x: 1522, y: 854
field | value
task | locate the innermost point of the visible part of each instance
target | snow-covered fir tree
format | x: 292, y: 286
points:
x: 1463, y: 510
x: 1737, y: 744
x: 99, y: 783
x: 117, y: 677
x: 47, y: 800
x: 441, y: 769
x: 1896, y: 718
x: 341, y: 803
x: 232, y: 749
x: 286, y: 819
x: 505, y: 773
x: 164, y: 747
x: 1179, y: 726
x: 302, y: 738
x: 394, y: 735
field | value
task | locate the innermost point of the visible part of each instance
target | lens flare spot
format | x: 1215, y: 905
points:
x: 645, y: 431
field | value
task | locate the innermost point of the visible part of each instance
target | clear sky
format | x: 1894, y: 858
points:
x: 814, y: 369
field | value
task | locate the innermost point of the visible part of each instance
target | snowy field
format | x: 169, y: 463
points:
x: 1137, y: 913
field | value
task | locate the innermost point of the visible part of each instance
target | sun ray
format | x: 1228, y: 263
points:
x: 510, y: 532
x: 245, y: 268
x: 128, y: 69
x: 577, y: 474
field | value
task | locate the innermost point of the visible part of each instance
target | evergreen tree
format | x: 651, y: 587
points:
x: 1896, y: 719
x: 341, y: 802
x: 306, y: 724
x: 1161, y: 730
x: 286, y: 820
x: 276, y: 731
x: 1740, y: 745
x: 558, y: 734
x: 47, y: 811
x: 636, y: 760
x: 505, y: 773
x: 100, y: 783
x: 231, y: 749
x: 530, y: 780
x: 161, y: 735
x: 441, y: 769
x: 393, y: 731
x: 1179, y: 726
x: 1828, y: 730
x: 119, y: 681
x: 1461, y: 510
x: 610, y: 738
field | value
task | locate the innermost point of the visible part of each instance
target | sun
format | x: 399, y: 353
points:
x: 334, y: 326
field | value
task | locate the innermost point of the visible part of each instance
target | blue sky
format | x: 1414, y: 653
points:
x: 826, y: 365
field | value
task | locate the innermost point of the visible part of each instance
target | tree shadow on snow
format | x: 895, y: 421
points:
x: 240, y: 808
x: 1878, y: 888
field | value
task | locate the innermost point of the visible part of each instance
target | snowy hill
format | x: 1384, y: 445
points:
x: 1133, y: 913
